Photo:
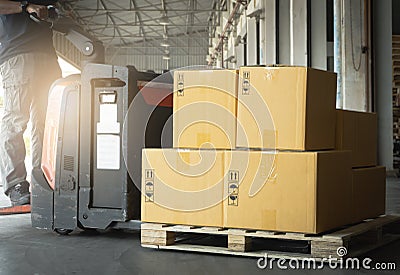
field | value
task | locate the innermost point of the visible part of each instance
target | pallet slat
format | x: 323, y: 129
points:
x: 226, y: 251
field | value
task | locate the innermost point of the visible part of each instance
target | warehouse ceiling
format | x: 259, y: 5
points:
x: 130, y: 23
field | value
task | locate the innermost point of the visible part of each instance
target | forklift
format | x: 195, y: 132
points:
x: 97, y: 124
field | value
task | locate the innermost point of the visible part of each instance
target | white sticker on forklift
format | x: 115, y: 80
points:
x: 108, y: 152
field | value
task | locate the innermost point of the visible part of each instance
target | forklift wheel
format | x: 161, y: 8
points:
x: 62, y: 231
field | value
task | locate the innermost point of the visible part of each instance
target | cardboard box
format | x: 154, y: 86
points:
x: 358, y: 132
x: 205, y: 107
x: 287, y: 108
x: 182, y: 187
x: 305, y: 192
x: 369, y: 192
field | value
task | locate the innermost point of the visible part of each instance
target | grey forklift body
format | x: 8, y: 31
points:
x: 97, y: 141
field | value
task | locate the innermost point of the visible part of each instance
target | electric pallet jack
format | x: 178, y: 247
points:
x: 97, y: 124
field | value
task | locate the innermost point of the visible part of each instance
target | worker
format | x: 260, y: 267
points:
x: 28, y: 68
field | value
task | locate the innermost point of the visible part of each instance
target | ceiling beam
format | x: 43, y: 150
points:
x: 100, y: 25
x: 145, y: 10
x: 139, y: 17
x: 113, y: 21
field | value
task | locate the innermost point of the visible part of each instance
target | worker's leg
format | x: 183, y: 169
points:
x: 47, y: 72
x: 16, y: 74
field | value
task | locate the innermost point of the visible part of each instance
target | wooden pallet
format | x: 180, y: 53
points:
x: 357, y: 239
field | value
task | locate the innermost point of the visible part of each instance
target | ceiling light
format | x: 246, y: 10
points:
x: 164, y: 20
x: 165, y: 43
x: 166, y: 57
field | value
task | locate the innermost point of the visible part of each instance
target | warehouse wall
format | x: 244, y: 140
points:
x: 396, y: 17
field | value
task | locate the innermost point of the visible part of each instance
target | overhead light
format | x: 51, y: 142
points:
x: 166, y: 57
x: 165, y: 43
x: 164, y: 20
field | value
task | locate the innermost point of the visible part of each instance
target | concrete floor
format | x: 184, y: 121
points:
x: 25, y: 250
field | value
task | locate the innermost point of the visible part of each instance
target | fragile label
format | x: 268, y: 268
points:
x: 180, y: 85
x: 149, y: 185
x: 233, y: 188
x: 246, y: 83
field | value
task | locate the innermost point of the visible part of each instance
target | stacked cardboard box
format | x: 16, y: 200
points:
x: 287, y: 108
x: 299, y: 104
x: 186, y: 185
x: 205, y: 108
x: 358, y: 132
x: 275, y: 165
x: 183, y: 187
x: 290, y: 191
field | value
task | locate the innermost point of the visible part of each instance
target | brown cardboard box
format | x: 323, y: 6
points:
x: 306, y: 192
x: 205, y: 106
x: 182, y: 187
x: 369, y: 192
x: 301, y: 103
x: 357, y: 131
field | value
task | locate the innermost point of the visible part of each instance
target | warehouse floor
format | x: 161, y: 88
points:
x: 25, y: 250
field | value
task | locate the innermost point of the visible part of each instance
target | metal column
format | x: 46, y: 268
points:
x: 299, y: 50
x: 337, y: 48
x: 251, y: 42
x: 382, y: 35
x: 268, y: 33
x: 319, y: 58
x: 284, y: 32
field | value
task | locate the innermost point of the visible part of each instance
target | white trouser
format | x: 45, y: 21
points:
x: 26, y: 82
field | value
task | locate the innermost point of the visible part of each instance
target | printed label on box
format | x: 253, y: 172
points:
x: 149, y: 173
x: 149, y: 185
x: 246, y: 83
x: 233, y: 187
x: 180, y: 85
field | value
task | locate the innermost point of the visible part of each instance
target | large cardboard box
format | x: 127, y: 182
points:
x: 369, y: 192
x: 183, y: 187
x: 357, y: 131
x: 288, y: 108
x: 306, y: 192
x: 205, y: 107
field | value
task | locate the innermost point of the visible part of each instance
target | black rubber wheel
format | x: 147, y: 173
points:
x: 62, y: 231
